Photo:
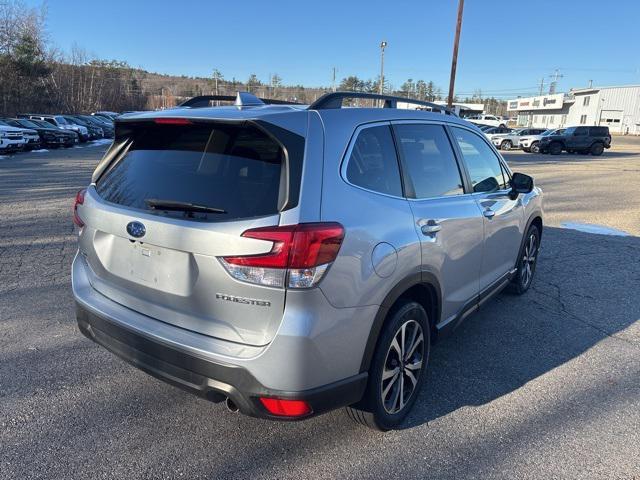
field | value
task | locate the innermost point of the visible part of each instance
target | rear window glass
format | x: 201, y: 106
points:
x: 599, y: 131
x: 238, y: 170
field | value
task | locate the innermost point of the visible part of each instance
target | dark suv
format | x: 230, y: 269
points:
x: 591, y: 140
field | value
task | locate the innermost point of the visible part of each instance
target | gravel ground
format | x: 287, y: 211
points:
x: 546, y: 385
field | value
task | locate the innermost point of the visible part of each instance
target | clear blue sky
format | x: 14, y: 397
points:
x: 505, y: 48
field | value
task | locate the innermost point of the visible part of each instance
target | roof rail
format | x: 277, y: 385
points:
x: 242, y: 99
x: 334, y: 100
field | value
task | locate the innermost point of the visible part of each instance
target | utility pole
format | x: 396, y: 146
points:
x: 333, y: 82
x: 383, y: 45
x: 454, y: 60
x: 552, y: 86
x: 541, y: 86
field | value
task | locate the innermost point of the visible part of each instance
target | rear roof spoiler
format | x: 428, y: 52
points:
x: 242, y: 99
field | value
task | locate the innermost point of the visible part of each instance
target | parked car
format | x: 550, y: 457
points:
x: 95, y: 132
x: 30, y: 136
x: 50, y: 136
x: 11, y: 139
x: 493, y: 131
x: 491, y: 120
x: 60, y: 122
x: 109, y: 115
x: 531, y: 143
x: 593, y: 140
x: 507, y: 141
x: 292, y: 260
x: 70, y: 137
x: 105, y: 124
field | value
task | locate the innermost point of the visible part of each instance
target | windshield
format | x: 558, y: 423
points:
x: 27, y: 123
x: 42, y: 123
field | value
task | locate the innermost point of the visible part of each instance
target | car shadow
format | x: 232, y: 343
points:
x: 564, y: 157
x: 578, y: 298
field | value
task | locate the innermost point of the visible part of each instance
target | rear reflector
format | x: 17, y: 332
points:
x: 286, y: 408
x: 173, y: 121
x: 302, y: 251
x: 79, y: 200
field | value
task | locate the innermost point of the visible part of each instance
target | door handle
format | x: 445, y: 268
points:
x: 488, y: 213
x: 431, y: 227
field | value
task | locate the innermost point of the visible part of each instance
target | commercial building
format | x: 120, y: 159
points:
x: 615, y: 107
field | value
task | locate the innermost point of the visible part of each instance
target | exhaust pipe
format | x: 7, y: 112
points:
x: 231, y: 406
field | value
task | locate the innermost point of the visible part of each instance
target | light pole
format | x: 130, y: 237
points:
x: 383, y: 45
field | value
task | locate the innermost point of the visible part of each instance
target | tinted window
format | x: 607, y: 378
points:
x: 373, y: 163
x: 599, y: 131
x: 483, y: 165
x: 233, y: 168
x: 581, y: 131
x: 428, y: 161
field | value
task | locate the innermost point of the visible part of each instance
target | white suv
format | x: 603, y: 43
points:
x: 11, y: 139
x: 492, y: 120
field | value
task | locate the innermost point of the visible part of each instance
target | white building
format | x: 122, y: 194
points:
x: 615, y: 107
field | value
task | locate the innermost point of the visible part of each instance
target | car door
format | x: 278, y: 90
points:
x: 502, y: 216
x: 579, y: 139
x: 447, y: 219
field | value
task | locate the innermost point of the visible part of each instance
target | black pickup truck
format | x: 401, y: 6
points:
x: 591, y: 140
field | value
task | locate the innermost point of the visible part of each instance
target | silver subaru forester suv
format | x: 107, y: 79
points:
x: 290, y: 259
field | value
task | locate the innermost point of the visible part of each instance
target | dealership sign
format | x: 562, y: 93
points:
x: 547, y: 102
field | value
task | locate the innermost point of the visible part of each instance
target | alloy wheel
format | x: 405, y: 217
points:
x: 402, y: 366
x: 529, y: 260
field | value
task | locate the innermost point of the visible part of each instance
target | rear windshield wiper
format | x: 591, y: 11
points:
x: 176, y: 205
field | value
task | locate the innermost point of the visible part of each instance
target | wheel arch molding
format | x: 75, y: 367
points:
x: 422, y: 287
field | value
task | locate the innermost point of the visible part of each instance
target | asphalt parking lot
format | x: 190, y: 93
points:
x: 546, y: 385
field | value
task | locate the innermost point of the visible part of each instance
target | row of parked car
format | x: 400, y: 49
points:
x: 580, y: 139
x: 30, y: 131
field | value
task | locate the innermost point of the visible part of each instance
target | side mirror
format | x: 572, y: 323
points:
x: 521, y: 183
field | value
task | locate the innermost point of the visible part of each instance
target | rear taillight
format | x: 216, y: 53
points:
x: 286, y: 408
x: 79, y: 200
x: 299, y: 256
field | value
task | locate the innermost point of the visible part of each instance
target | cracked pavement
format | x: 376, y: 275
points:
x: 545, y: 385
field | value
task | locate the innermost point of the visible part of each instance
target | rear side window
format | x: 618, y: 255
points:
x: 598, y: 131
x: 373, y: 163
x: 428, y: 161
x: 485, y: 170
x: 236, y: 169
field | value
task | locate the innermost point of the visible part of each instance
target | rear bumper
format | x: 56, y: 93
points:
x: 291, y: 367
x: 211, y: 380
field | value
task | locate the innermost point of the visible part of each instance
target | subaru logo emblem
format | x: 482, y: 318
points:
x: 136, y: 229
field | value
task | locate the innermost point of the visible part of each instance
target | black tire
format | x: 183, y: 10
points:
x: 502, y: 125
x: 555, y: 148
x: 377, y: 410
x: 527, y: 261
x: 535, y: 147
x: 597, y: 149
x: 506, y: 145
